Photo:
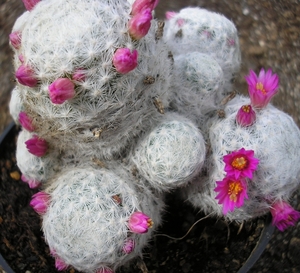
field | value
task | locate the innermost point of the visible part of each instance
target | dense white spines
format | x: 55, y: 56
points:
x: 15, y: 104
x: 171, y: 154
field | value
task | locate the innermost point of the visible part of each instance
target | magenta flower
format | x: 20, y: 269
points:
x: 170, y: 14
x: 30, y: 4
x: 26, y: 122
x: 15, y: 39
x: 124, y: 60
x: 60, y: 264
x: 61, y: 90
x: 284, y: 215
x: 262, y: 88
x: 40, y: 202
x: 79, y: 75
x: 241, y: 163
x: 245, y: 116
x: 140, y: 5
x: 37, y: 146
x: 128, y: 246
x: 139, y: 24
x: 32, y: 183
x: 26, y: 76
x: 232, y: 193
x: 139, y: 222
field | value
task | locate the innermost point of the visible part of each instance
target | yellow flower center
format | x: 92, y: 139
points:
x: 246, y: 108
x: 260, y: 87
x: 150, y: 223
x: 234, y: 189
x: 239, y: 163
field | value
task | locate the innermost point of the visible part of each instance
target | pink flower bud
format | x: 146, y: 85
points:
x: 15, y: 39
x: 139, y: 222
x: 40, y: 202
x: 140, y: 5
x: 180, y: 22
x: 170, y: 14
x: 30, y: 4
x: 33, y: 184
x: 21, y: 58
x: 104, y: 270
x: 60, y: 264
x: 26, y: 122
x: 128, y: 246
x: 245, y: 116
x: 25, y: 75
x: 79, y: 75
x: 37, y: 146
x: 140, y: 24
x: 61, y: 90
x: 124, y: 60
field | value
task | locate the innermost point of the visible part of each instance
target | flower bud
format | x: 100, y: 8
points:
x: 140, y: 5
x: 33, y: 184
x: 79, y: 75
x: 26, y: 122
x: 139, y: 222
x: 245, y: 116
x: 104, y: 270
x: 124, y: 60
x: 25, y: 75
x: 170, y: 14
x: 60, y: 264
x: 37, y: 146
x: 61, y: 90
x: 40, y: 202
x: 30, y: 4
x: 128, y: 246
x: 139, y: 24
x: 15, y: 39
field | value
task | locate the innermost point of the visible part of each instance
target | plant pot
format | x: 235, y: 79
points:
x: 202, y: 249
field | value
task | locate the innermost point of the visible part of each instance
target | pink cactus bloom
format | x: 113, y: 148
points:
x: 170, y: 14
x: 61, y: 90
x: 262, y: 88
x: 241, y: 163
x: 180, y: 22
x: 124, y: 60
x: 40, y: 202
x: 139, y: 24
x: 79, y: 75
x: 15, y: 39
x: 60, y: 264
x: 246, y: 116
x: 21, y: 58
x: 26, y: 76
x: 104, y: 270
x: 30, y: 4
x: 140, y: 5
x: 284, y: 215
x: 32, y: 183
x: 231, y: 193
x: 139, y: 222
x: 26, y: 122
x: 37, y: 146
x: 128, y: 246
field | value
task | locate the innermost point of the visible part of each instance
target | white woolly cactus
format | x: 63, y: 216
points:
x: 171, y: 154
x: 275, y: 140
x: 87, y: 221
x: 15, y: 104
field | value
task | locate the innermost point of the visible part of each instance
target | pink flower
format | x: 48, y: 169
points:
x: 128, y: 246
x: 30, y: 4
x: 262, y: 88
x: 245, y: 116
x: 104, y: 270
x: 37, y: 146
x: 232, y: 193
x: 139, y: 24
x: 15, y: 39
x: 61, y: 90
x: 170, y: 14
x: 21, y: 58
x: 26, y: 76
x: 180, y: 22
x: 60, y: 264
x: 241, y: 163
x: 40, y: 202
x: 79, y: 75
x: 139, y: 222
x: 124, y: 60
x: 26, y: 122
x: 140, y: 5
x: 284, y: 215
x: 33, y: 184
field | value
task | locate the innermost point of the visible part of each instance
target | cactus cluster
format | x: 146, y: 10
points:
x: 118, y: 108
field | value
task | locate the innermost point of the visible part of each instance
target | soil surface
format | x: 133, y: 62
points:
x: 269, y: 33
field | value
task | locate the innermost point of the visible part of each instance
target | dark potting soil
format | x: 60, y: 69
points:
x: 210, y: 246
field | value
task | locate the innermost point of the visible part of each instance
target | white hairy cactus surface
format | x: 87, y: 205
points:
x: 196, y: 29
x: 171, y: 154
x: 198, y: 85
x: 109, y: 108
x: 275, y: 140
x: 33, y: 167
x: 15, y: 104
x: 86, y: 223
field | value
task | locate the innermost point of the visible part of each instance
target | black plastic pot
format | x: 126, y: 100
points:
x: 265, y: 236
